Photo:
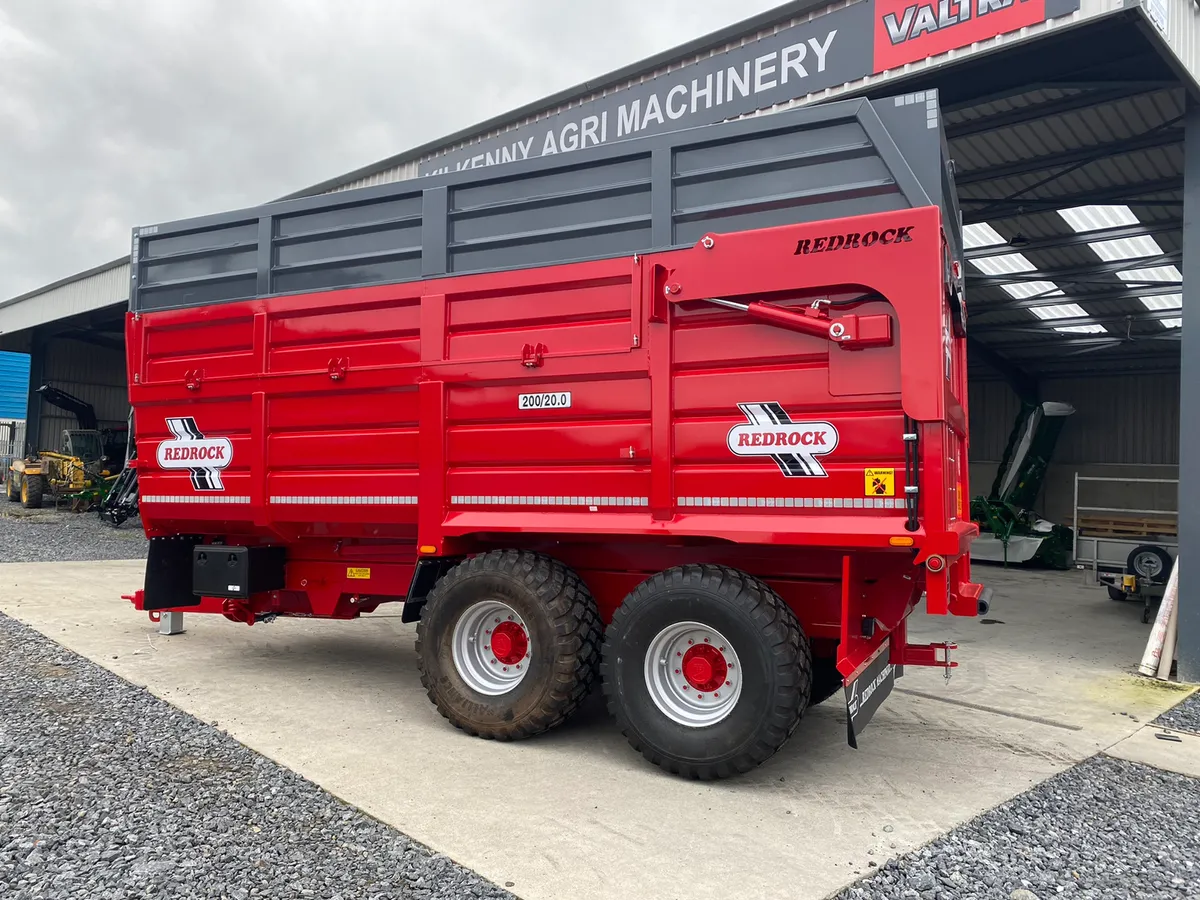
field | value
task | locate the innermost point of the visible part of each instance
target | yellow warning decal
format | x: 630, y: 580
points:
x: 960, y: 493
x: 358, y: 573
x: 880, y: 482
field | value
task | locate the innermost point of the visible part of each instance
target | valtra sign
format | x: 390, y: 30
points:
x: 906, y: 31
x: 829, y: 50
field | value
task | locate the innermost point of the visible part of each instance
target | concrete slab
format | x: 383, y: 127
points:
x: 576, y: 813
x: 1164, y: 749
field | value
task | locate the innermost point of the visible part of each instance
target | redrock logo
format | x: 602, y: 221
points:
x: 198, y: 451
x: 794, y: 446
x: 901, y: 235
x: 191, y: 450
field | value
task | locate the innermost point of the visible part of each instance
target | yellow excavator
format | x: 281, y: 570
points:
x: 80, y: 468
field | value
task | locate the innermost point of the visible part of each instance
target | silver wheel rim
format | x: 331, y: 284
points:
x: 1148, y: 565
x: 676, y: 683
x: 478, y: 664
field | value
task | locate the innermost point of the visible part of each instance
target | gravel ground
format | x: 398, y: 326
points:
x: 107, y: 793
x: 1104, y: 829
x: 1184, y: 717
x: 47, y: 535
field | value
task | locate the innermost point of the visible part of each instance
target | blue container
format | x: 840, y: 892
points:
x: 14, y: 385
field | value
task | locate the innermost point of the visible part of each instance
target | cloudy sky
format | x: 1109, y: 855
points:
x: 122, y: 112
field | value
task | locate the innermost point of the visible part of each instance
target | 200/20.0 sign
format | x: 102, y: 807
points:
x: 558, y: 400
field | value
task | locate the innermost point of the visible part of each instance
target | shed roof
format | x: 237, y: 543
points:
x: 1069, y: 162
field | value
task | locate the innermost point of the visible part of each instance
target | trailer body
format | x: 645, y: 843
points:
x: 739, y: 346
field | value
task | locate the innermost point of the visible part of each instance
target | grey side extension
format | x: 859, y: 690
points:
x: 813, y: 163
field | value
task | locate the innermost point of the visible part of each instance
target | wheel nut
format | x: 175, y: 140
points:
x: 506, y: 668
x: 706, y: 640
x: 676, y: 671
x: 717, y: 694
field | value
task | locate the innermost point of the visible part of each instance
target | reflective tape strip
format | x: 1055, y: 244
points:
x: 347, y: 501
x: 193, y: 498
x: 549, y: 501
x: 796, y: 502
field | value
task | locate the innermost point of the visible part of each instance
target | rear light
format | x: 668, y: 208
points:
x: 935, y: 563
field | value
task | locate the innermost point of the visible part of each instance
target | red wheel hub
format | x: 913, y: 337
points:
x: 704, y: 667
x: 509, y: 643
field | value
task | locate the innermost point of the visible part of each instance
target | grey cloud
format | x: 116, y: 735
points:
x: 115, y: 113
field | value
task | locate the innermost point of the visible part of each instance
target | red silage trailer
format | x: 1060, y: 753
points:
x: 717, y: 474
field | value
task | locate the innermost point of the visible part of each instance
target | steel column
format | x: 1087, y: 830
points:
x: 1189, y: 410
x: 37, y: 371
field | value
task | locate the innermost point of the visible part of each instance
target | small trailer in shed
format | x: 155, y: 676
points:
x: 685, y: 413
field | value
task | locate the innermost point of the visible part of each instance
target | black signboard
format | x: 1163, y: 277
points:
x: 829, y: 50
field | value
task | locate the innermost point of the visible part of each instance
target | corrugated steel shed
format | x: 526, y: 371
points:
x: 103, y: 286
x: 1118, y: 420
x: 14, y: 384
x: 93, y: 374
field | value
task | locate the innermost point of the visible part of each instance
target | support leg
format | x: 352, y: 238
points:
x: 171, y: 623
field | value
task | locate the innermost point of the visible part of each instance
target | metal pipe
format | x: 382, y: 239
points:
x: 731, y: 304
x: 1127, y: 480
x: 1167, y: 655
x: 1075, y: 522
x: 1158, y: 634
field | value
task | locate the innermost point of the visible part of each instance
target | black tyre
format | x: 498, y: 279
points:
x: 1149, y: 562
x: 1115, y: 593
x: 676, y: 642
x: 32, y: 488
x: 826, y: 679
x: 508, y: 644
x: 12, y: 488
